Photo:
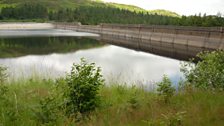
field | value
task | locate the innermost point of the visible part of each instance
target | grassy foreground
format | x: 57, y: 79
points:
x: 82, y: 99
x: 121, y: 106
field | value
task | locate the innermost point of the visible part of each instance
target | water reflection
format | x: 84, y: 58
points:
x: 14, y: 47
x: 53, y: 56
x: 118, y: 64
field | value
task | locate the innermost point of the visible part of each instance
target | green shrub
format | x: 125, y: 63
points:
x: 73, y: 96
x: 208, y: 73
x: 133, y: 99
x: 83, y: 84
x: 165, y: 89
x: 8, y: 104
x: 3, y: 74
x: 80, y: 89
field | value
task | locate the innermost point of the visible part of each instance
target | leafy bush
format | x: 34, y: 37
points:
x: 73, y: 96
x: 77, y: 94
x: 165, y: 89
x: 208, y: 73
x: 83, y: 84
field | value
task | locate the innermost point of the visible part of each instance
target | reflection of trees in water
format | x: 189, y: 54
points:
x: 13, y: 47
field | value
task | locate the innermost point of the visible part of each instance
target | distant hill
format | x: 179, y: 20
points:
x: 138, y: 9
x: 94, y: 12
x: 164, y: 12
x: 126, y: 7
x: 51, y: 4
x: 72, y: 4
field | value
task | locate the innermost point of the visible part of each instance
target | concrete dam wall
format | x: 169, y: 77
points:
x: 172, y: 41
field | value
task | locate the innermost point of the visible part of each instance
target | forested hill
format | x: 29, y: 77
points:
x: 72, y: 4
x: 96, y: 12
x: 50, y: 4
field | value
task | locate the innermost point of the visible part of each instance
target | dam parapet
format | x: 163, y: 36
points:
x: 179, y: 42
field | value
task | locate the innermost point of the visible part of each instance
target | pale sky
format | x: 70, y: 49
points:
x: 182, y: 7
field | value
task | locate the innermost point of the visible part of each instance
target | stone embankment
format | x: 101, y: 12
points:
x: 173, y: 41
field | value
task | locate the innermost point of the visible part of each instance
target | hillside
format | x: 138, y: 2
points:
x: 164, y: 12
x: 71, y: 4
x: 91, y: 12
x: 51, y: 4
x: 138, y: 9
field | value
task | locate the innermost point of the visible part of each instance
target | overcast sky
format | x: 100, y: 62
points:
x: 183, y: 7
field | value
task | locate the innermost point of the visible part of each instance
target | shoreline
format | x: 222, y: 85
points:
x: 25, y: 25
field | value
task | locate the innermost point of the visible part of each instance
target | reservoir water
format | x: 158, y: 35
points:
x: 51, y: 53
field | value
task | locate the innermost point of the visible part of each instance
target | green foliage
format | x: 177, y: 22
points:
x: 208, y: 73
x: 3, y: 88
x: 3, y: 74
x: 90, y: 12
x: 133, y: 100
x: 83, y: 84
x: 164, y: 13
x: 75, y: 96
x: 56, y: 5
x: 49, y: 110
x: 93, y: 15
x: 21, y: 106
x: 165, y: 89
x: 9, y: 110
x: 53, y: 107
x: 25, y: 11
x: 127, y: 7
x: 169, y: 119
x: 174, y: 119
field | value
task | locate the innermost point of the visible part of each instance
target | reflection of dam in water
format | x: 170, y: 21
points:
x: 50, y: 53
x: 172, y: 41
x: 52, y: 57
x: 176, y: 51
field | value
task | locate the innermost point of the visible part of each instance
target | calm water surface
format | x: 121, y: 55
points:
x: 53, y: 57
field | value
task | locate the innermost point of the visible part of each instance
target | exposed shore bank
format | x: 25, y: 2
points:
x: 25, y: 25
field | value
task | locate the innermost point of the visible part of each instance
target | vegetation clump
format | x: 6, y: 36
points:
x: 77, y: 94
x: 165, y: 89
x: 208, y: 73
x: 3, y: 74
x: 83, y: 83
x: 69, y: 100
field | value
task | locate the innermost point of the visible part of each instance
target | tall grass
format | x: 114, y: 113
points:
x: 72, y: 100
x: 121, y: 105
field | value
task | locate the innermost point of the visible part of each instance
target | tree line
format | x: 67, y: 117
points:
x: 93, y: 15
x: 25, y: 11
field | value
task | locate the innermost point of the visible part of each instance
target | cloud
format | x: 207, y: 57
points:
x: 117, y: 63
